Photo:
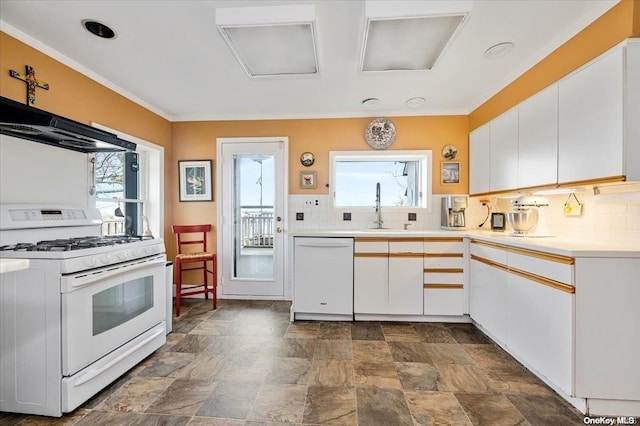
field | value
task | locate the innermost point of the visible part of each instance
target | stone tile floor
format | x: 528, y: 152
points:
x: 245, y: 364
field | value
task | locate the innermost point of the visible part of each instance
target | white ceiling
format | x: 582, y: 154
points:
x: 169, y: 56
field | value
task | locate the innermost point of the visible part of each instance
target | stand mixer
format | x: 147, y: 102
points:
x: 528, y: 219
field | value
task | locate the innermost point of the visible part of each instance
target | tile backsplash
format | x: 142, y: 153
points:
x: 319, y: 215
x: 617, y: 221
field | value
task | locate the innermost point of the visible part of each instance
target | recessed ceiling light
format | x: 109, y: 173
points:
x: 499, y: 50
x: 99, y: 29
x: 415, y: 102
x: 370, y: 102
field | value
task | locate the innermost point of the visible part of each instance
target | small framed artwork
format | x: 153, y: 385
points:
x: 196, y: 182
x: 450, y: 172
x: 307, y: 180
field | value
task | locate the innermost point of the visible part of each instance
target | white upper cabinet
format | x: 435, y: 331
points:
x: 584, y: 128
x: 538, y: 139
x: 479, y: 160
x: 591, y: 118
x: 504, y: 152
x: 599, y: 126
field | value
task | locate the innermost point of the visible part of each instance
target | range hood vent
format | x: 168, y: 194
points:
x: 36, y: 125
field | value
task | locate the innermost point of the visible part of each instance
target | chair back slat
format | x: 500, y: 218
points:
x: 181, y: 230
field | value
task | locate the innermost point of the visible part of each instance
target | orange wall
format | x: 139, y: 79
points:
x: 197, y: 140
x: 80, y: 98
x: 620, y: 22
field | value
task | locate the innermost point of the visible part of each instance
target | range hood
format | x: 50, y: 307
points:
x: 34, y: 124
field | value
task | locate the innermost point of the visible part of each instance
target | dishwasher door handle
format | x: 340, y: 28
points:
x: 325, y: 245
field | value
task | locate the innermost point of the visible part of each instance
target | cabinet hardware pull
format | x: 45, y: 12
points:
x: 540, y: 280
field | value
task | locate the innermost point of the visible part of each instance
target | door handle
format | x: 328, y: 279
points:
x: 279, y: 230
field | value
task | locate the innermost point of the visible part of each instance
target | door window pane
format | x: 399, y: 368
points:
x: 254, y: 184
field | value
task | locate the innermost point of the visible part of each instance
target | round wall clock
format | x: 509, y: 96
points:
x: 307, y: 159
x: 380, y: 133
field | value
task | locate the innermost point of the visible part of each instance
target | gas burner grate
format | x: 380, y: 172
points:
x: 69, y: 244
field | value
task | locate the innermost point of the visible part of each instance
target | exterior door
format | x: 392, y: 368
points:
x: 251, y: 216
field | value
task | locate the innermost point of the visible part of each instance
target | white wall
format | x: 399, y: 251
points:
x: 32, y: 172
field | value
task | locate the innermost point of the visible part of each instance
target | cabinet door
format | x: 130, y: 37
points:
x: 405, y: 276
x: 487, y: 304
x: 504, y: 151
x: 590, y: 121
x: 540, y: 329
x: 405, y: 284
x: 538, y: 139
x: 371, y: 284
x: 479, y: 160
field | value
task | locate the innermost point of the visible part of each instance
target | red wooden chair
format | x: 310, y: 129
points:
x: 192, y: 249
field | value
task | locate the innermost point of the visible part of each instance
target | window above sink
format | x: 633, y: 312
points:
x: 404, y: 177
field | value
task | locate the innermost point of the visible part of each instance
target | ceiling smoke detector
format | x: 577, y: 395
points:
x: 499, y: 50
x: 415, y: 102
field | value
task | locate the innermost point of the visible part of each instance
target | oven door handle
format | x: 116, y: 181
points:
x: 82, y: 279
x: 91, y: 374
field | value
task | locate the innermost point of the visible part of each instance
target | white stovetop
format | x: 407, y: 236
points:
x: 13, y: 265
x: 572, y: 247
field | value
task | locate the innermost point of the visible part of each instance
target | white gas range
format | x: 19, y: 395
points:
x: 86, y: 310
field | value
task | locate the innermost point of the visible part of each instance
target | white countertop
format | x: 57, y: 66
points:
x: 571, y: 247
x: 12, y: 265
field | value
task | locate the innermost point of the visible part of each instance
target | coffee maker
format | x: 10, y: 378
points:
x: 452, y: 213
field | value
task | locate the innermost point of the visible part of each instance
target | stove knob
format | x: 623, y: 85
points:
x: 91, y: 261
x: 105, y: 258
x: 149, y: 250
x: 123, y: 255
x: 138, y: 253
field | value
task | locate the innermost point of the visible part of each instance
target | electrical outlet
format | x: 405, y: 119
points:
x: 412, y: 217
x: 316, y: 202
x: 299, y: 216
x: 346, y: 216
x: 484, y: 201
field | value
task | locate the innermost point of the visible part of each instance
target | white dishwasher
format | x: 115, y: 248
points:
x: 323, y: 279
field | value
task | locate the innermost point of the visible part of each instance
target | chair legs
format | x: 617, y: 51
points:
x: 177, y: 279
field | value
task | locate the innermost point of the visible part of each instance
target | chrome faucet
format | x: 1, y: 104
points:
x: 379, y: 221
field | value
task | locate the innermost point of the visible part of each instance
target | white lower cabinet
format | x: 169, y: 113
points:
x: 530, y: 314
x: 445, y: 292
x: 540, y: 328
x: 371, y: 284
x: 388, y: 276
x: 488, y: 293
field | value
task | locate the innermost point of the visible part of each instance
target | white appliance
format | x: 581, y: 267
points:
x: 323, y: 279
x: 86, y: 310
x: 536, y: 204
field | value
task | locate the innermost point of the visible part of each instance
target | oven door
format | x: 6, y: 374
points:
x: 105, y: 308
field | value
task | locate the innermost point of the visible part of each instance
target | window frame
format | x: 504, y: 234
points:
x: 151, y: 176
x: 424, y: 157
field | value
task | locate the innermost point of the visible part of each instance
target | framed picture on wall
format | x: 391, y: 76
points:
x: 307, y: 180
x: 196, y: 181
x: 450, y: 172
